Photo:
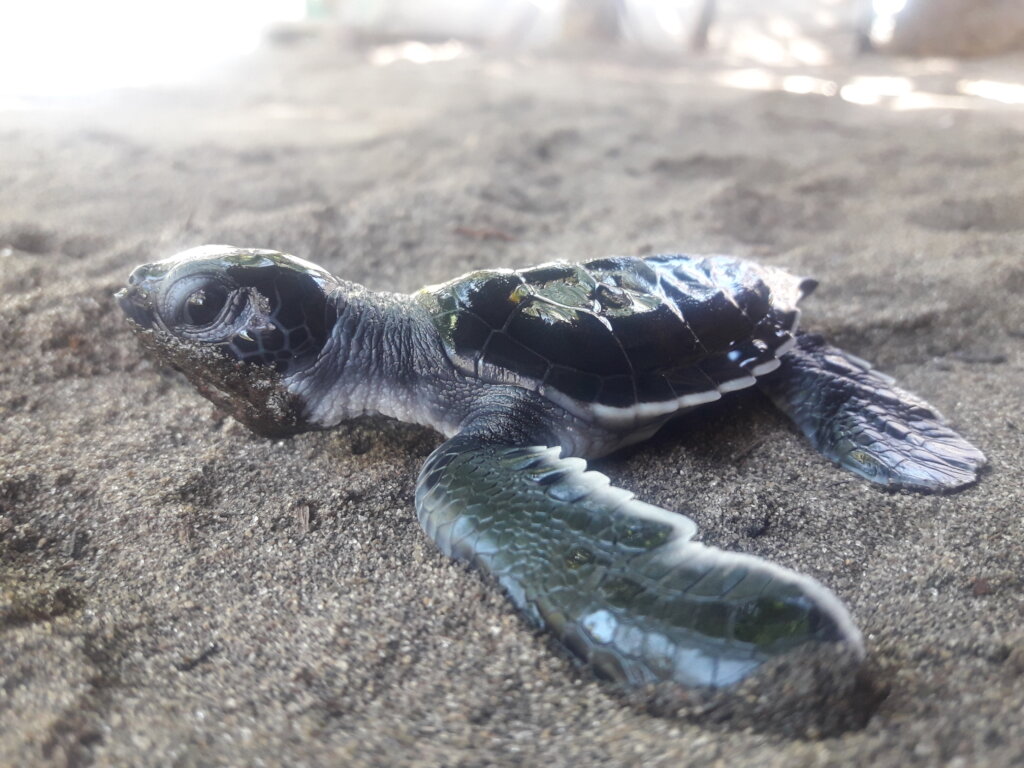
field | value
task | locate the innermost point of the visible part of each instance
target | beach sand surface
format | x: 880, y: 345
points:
x: 177, y: 591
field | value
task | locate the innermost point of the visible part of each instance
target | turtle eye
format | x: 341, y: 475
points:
x: 204, y: 306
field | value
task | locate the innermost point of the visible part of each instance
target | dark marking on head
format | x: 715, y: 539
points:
x: 237, y: 322
x: 254, y: 395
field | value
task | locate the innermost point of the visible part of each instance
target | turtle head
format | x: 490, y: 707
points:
x: 238, y: 322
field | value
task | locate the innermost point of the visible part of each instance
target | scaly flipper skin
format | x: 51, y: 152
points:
x: 617, y: 581
x: 858, y: 418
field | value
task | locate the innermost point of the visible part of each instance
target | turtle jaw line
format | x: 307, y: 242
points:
x: 136, y: 304
x: 255, y: 395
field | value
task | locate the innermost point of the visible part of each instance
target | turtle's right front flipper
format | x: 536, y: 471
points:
x: 618, y: 581
x: 857, y: 417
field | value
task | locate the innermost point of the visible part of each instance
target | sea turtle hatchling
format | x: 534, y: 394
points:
x: 527, y: 371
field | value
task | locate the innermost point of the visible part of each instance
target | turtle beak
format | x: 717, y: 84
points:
x: 135, y: 303
x: 135, y: 299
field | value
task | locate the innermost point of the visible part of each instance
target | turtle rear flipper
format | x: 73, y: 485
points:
x: 619, y: 582
x: 858, y: 418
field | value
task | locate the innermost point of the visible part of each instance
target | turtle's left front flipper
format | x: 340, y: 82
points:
x: 857, y: 417
x: 619, y: 582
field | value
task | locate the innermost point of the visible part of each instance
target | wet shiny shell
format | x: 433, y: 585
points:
x: 620, y: 338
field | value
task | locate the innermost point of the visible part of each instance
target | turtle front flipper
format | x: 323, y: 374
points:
x: 619, y: 582
x: 857, y: 417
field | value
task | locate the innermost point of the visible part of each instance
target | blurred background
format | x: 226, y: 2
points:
x: 367, y: 133
x: 68, y: 47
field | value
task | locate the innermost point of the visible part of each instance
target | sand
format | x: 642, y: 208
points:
x: 175, y: 591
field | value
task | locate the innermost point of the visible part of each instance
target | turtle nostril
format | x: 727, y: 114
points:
x: 132, y: 293
x: 134, y: 303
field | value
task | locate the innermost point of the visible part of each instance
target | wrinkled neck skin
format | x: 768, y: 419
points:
x: 382, y: 357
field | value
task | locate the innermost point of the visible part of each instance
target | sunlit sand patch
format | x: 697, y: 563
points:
x: 802, y: 84
x: 873, y: 90
x: 417, y: 52
x: 1005, y: 93
x: 925, y: 100
x: 68, y: 48
x: 896, y: 93
x: 750, y: 79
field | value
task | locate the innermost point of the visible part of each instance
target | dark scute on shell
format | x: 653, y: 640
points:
x: 504, y: 352
x: 746, y: 286
x: 654, y: 388
x: 641, y: 278
x: 549, y: 273
x: 581, y: 386
x: 615, y: 265
x: 655, y: 338
x: 713, y: 318
x: 618, y: 330
x: 772, y: 332
x: 755, y: 299
x: 617, y: 391
x: 720, y: 369
x: 688, y: 381
x: 489, y: 296
x: 582, y: 343
x: 469, y: 334
x: 751, y: 353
